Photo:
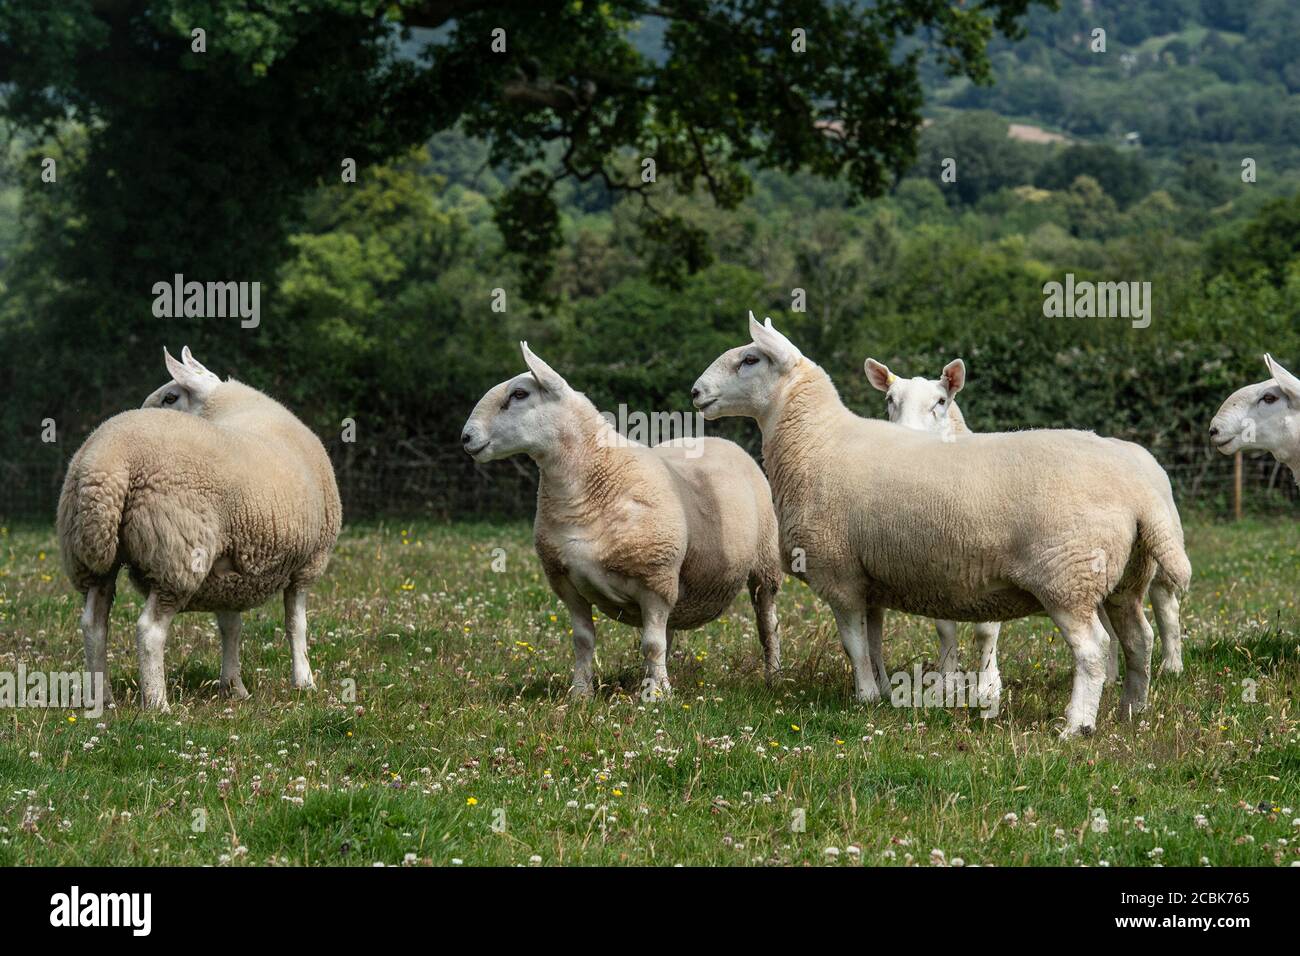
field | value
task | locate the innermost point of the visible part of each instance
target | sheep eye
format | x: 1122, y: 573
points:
x: 942, y: 401
x: 170, y: 398
x: 519, y: 395
x: 749, y: 360
x: 1269, y: 399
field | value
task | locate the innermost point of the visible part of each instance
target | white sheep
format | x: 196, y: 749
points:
x: 659, y: 538
x: 1262, y: 417
x: 213, y: 510
x: 989, y: 528
x: 931, y: 405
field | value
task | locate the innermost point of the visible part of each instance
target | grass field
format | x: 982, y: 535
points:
x: 460, y: 746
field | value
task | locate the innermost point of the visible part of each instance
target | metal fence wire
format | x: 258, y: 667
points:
x: 414, y: 478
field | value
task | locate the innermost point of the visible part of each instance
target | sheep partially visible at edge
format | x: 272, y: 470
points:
x: 216, y: 510
x: 660, y: 538
x: 1262, y: 417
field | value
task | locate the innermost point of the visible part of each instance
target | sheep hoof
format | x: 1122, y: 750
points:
x: 582, y: 690
x: 1130, y: 708
x: 308, y: 684
x: 655, y: 688
x: 869, y: 694
x: 234, y: 689
x: 1085, y: 730
x: 1171, y: 667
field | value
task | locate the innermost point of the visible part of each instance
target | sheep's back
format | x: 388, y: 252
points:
x: 215, y: 517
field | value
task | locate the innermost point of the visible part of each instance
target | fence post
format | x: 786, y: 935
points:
x: 1236, y: 486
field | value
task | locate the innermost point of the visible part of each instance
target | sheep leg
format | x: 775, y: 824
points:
x: 94, y: 633
x: 1112, y: 649
x: 150, y: 641
x: 852, y: 625
x: 654, y: 648
x: 232, y: 684
x: 876, y: 644
x: 1164, y: 601
x: 952, y: 679
x: 990, y: 681
x: 1087, y: 639
x: 1135, y: 632
x: 295, y: 625
x: 584, y: 639
x: 947, y: 645
x: 763, y: 598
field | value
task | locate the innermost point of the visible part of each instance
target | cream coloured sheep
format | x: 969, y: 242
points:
x: 214, y: 510
x: 1262, y: 417
x: 659, y: 538
x: 990, y: 528
x: 931, y: 405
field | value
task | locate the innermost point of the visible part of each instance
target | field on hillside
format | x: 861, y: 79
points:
x: 460, y: 746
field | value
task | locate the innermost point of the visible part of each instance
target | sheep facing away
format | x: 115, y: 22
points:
x: 215, y: 509
x: 989, y: 528
x: 930, y: 405
x: 661, y: 538
x: 1262, y: 417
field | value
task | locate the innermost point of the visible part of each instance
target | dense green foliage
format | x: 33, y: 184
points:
x: 378, y: 296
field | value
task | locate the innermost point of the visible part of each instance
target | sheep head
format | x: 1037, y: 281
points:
x: 921, y: 404
x: 528, y: 414
x: 1262, y: 417
x: 745, y: 380
x: 190, y: 388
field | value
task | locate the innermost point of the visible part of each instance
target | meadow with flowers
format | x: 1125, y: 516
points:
x: 441, y: 733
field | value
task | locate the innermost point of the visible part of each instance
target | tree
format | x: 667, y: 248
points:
x: 1124, y: 178
x: 197, y: 159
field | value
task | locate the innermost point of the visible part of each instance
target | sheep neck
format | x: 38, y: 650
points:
x: 796, y: 428
x: 585, y: 468
x: 957, y: 419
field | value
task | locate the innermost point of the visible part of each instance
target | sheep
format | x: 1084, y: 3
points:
x: 1262, y: 417
x: 660, y: 538
x: 212, y: 510
x: 927, y: 405
x: 989, y: 528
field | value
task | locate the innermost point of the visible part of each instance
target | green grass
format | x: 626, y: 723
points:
x: 460, y: 721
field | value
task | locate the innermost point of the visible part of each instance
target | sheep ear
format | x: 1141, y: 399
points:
x: 766, y: 337
x: 199, y: 384
x: 175, y: 369
x: 547, y: 377
x: 192, y: 363
x: 953, y: 377
x: 1289, y: 384
x: 879, y: 375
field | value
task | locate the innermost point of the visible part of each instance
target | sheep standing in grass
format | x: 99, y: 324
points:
x: 927, y: 405
x: 989, y: 528
x: 213, y: 510
x: 1262, y: 417
x: 660, y: 538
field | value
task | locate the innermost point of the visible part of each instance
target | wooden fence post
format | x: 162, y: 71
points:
x: 1236, y: 486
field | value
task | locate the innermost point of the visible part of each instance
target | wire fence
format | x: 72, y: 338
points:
x: 414, y: 478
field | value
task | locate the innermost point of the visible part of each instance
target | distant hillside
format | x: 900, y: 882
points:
x: 1211, y: 74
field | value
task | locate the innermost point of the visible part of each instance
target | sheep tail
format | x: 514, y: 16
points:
x: 1163, y: 540
x: 90, y: 521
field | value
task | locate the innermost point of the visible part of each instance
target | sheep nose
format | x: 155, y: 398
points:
x: 1214, y: 431
x: 466, y: 438
x: 695, y: 393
